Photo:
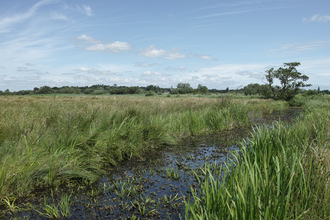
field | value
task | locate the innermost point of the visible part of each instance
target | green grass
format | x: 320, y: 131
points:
x: 281, y: 173
x: 49, y: 141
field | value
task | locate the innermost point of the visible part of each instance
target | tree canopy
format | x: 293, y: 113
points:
x: 290, y: 82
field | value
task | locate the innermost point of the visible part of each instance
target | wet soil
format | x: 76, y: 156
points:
x: 155, y: 186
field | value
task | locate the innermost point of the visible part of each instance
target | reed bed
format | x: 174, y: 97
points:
x: 51, y: 141
x: 282, y: 172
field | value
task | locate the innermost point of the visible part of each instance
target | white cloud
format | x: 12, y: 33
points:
x: 58, y: 16
x: 152, y: 51
x: 95, y: 72
x: 115, y: 47
x: 149, y: 73
x: 181, y: 68
x: 174, y: 56
x: 85, y: 10
x: 144, y: 64
x: 87, y: 39
x: 19, y: 17
x: 205, y: 57
x: 29, y: 64
x: 25, y: 69
x: 85, y: 69
x: 146, y: 73
x: 298, y: 47
x: 319, y: 18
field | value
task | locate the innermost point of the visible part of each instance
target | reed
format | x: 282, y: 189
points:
x: 282, y: 172
x: 49, y: 141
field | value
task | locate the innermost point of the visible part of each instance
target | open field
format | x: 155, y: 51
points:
x: 47, y: 142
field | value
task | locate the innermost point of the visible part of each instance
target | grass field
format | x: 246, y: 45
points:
x: 48, y: 141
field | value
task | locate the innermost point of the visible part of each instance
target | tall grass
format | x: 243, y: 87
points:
x: 48, y: 141
x: 280, y: 173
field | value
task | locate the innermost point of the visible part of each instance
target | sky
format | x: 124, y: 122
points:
x: 219, y: 44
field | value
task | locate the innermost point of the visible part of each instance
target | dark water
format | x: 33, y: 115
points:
x: 155, y: 188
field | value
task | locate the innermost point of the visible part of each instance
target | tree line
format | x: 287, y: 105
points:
x: 289, y: 82
x: 99, y: 89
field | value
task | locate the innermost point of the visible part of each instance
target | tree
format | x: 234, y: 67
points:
x: 184, y: 88
x: 204, y: 90
x: 251, y: 89
x: 290, y: 80
x: 45, y: 90
x: 7, y: 92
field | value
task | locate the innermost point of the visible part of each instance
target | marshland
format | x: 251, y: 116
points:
x: 207, y: 157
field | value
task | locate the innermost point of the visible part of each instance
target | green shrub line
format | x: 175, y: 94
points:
x: 47, y: 141
x: 280, y: 173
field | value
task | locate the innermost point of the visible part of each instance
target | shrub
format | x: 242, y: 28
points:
x: 88, y: 91
x: 296, y: 101
x: 310, y: 93
x: 150, y: 93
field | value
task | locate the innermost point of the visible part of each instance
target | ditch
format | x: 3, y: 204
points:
x: 153, y: 187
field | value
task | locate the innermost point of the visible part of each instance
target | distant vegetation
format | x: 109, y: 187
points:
x: 182, y: 88
x: 291, y: 84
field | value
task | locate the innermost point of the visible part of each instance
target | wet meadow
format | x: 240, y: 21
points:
x: 126, y: 157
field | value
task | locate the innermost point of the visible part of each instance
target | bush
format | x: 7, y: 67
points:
x: 297, y: 101
x: 150, y: 93
x: 88, y: 91
x: 310, y: 93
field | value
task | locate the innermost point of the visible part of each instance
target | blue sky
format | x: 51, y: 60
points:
x: 218, y: 44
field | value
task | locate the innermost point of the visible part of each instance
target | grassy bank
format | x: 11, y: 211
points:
x: 49, y: 141
x: 281, y: 173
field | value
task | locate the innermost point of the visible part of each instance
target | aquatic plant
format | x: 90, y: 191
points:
x: 281, y: 173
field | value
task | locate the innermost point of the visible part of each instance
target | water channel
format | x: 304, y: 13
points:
x: 154, y: 187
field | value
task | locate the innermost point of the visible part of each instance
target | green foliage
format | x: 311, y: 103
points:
x: 7, y: 92
x: 68, y: 90
x: 45, y: 90
x: 290, y: 80
x: 310, y: 93
x: 265, y: 91
x: 252, y: 89
x: 119, y: 90
x: 182, y: 88
x: 100, y: 92
x: 297, y: 101
x: 88, y: 91
x: 280, y: 173
x: 150, y: 93
x: 202, y: 89
x: 153, y: 88
x: 51, y: 141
